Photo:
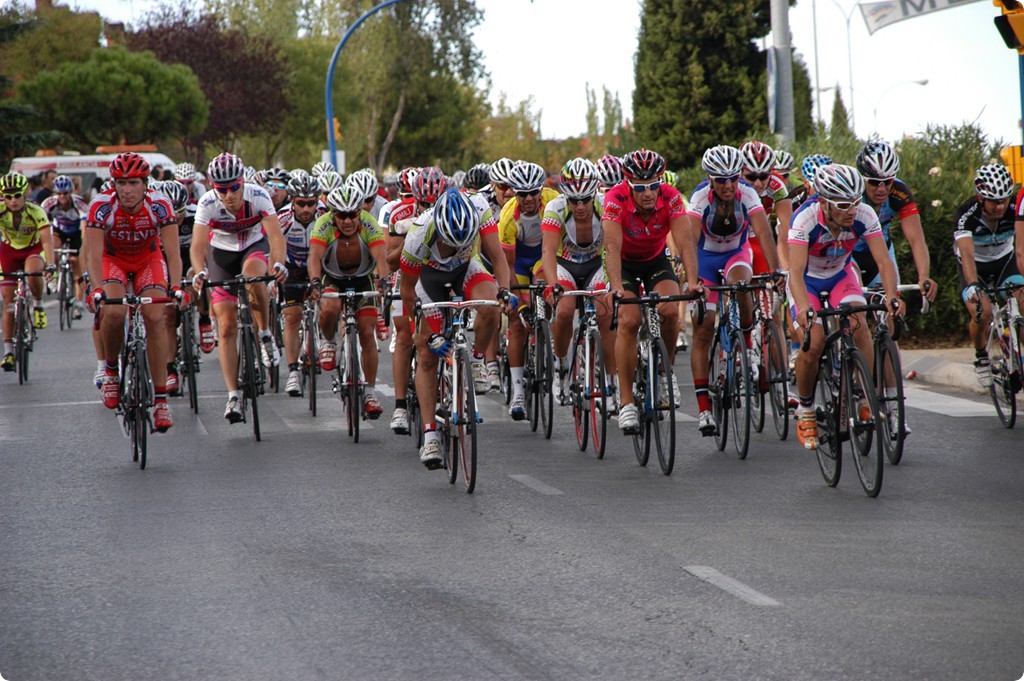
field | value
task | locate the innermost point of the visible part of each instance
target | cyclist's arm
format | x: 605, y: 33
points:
x: 46, y: 239
x: 199, y: 250
x: 549, y: 251
x: 1018, y: 243
x: 886, y: 269
x: 784, y: 213
x: 169, y: 243
x: 93, y: 243
x: 408, y: 291
x: 272, y: 227
x: 396, y: 242
x: 797, y: 268
x: 970, y: 268
x: 763, y: 230
x: 380, y: 256
x: 679, y: 229
x: 911, y: 226
x: 490, y: 244
x: 613, y: 253
x: 314, y: 262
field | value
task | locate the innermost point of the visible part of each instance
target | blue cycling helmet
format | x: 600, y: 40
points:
x: 456, y: 220
x: 63, y: 183
x: 811, y: 164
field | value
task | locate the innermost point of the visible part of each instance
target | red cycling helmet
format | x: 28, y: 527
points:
x: 429, y: 185
x: 643, y: 164
x: 129, y: 164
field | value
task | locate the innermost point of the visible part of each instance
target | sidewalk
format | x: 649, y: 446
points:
x: 952, y: 367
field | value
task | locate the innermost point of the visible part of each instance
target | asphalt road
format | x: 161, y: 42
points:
x: 306, y: 556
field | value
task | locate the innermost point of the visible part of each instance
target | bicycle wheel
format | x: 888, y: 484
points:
x: 464, y: 438
x: 597, y: 394
x: 642, y: 440
x: 830, y: 458
x: 718, y: 391
x: 250, y: 392
x: 443, y: 419
x: 776, y: 378
x: 663, y: 417
x: 126, y: 398
x: 188, y: 361
x: 310, y: 365
x: 891, y: 401
x: 61, y: 299
x: 739, y: 395
x: 758, y: 391
x: 21, y: 335
x: 352, y: 386
x: 143, y: 399
x: 860, y: 385
x: 505, y: 374
x: 1001, y: 391
x: 545, y: 377
x: 579, y: 387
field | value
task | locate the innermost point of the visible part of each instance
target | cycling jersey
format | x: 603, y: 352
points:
x: 400, y: 217
x: 327, y: 234
x: 774, y: 191
x: 229, y: 232
x: 900, y: 203
x: 828, y: 255
x: 26, y: 234
x: 130, y: 236
x: 723, y: 231
x: 421, y: 249
x: 991, y: 242
x: 385, y: 212
x: 66, y: 220
x: 522, y: 233
x: 643, y: 240
x: 558, y: 218
x: 296, y: 236
x: 186, y: 227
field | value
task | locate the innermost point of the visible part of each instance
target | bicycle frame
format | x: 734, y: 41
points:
x: 349, y: 382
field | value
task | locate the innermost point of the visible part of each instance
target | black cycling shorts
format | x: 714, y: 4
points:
x: 649, y: 272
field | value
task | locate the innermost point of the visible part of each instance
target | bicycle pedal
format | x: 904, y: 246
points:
x: 479, y: 419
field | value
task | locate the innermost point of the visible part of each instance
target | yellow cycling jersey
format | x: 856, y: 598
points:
x: 512, y: 227
x: 33, y: 221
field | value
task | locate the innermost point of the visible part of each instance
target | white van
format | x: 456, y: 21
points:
x: 88, y: 168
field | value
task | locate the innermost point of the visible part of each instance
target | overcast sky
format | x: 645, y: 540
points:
x: 533, y: 49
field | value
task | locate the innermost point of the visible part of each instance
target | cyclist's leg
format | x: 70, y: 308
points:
x: 114, y: 284
x: 709, y: 264
x: 330, y: 310
x: 738, y: 269
x: 517, y: 335
x: 366, y: 323
x: 626, y: 336
x: 34, y: 262
x: 9, y: 262
x: 225, y: 265
x: 254, y: 264
x: 478, y: 284
x: 661, y: 277
x: 848, y: 291
x: 561, y: 328
x: 291, y: 310
x: 151, y: 280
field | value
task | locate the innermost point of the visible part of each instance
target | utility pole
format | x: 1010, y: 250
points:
x: 786, y: 120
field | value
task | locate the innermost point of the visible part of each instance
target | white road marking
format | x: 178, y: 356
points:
x: 730, y: 585
x: 947, y: 405
x: 200, y: 427
x: 536, y: 485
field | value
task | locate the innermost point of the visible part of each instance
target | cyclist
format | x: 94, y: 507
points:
x: 784, y: 163
x: 478, y: 181
x: 758, y: 170
x: 24, y: 245
x: 723, y: 213
x: 275, y: 181
x: 572, y: 259
x: 821, y: 241
x: 298, y: 221
x: 609, y: 173
x: 639, y: 215
x: 67, y: 213
x: 184, y: 215
x: 444, y: 251
x: 366, y: 182
x: 499, y: 177
x: 403, y: 188
x: 346, y: 248
x: 125, y: 233
x: 237, y: 232
x: 889, y: 197
x: 427, y: 185
x: 321, y: 167
x: 185, y: 173
x: 989, y: 251
x: 329, y: 180
x: 519, y: 230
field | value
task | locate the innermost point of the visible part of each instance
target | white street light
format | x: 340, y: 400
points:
x: 849, y: 53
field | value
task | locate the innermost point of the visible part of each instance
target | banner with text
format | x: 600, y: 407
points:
x: 880, y: 14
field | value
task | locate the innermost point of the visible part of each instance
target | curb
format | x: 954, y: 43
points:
x: 936, y: 369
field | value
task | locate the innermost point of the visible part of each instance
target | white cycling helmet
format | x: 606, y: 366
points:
x: 758, y: 157
x: 878, y: 160
x: 526, y: 177
x: 366, y: 182
x: 609, y: 170
x: 176, y: 193
x: 345, y: 199
x: 329, y: 181
x: 837, y: 182
x: 784, y: 161
x: 321, y: 168
x: 185, y: 171
x: 994, y: 182
x: 722, y: 161
x: 500, y: 170
x: 578, y: 179
x: 226, y: 169
x: 252, y: 175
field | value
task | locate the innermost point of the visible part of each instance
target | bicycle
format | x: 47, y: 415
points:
x: 309, y: 338
x: 135, y: 387
x: 589, y: 387
x: 251, y: 377
x: 65, y: 287
x: 888, y: 369
x: 276, y: 324
x: 538, y: 369
x: 188, y: 349
x: 729, y: 383
x: 347, y: 382
x: 770, y: 346
x: 653, y: 393
x: 24, y: 329
x: 844, y: 383
x: 1004, y: 349
x: 456, y: 395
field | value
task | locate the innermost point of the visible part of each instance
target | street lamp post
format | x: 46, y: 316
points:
x: 922, y: 82
x: 849, y: 55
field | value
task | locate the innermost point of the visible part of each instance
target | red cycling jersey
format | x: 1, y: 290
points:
x: 643, y: 240
x: 130, y: 236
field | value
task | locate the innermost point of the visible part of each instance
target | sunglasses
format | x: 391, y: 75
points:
x: 500, y: 187
x: 228, y: 189
x: 576, y: 202
x: 14, y: 196
x: 651, y: 186
x: 880, y: 183
x: 726, y: 180
x: 425, y: 205
x: 757, y: 177
x: 843, y: 205
x: 277, y: 185
x: 532, y: 192
x: 186, y: 182
x: 304, y: 204
x: 346, y: 214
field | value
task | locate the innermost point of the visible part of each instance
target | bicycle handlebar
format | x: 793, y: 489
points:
x: 841, y: 311
x: 350, y: 294
x: 240, y: 280
x: 657, y: 300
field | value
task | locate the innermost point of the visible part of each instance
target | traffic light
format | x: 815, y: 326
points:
x: 337, y: 131
x: 1011, y: 23
x: 1014, y: 163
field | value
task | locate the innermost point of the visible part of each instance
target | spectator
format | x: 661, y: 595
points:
x: 46, y: 180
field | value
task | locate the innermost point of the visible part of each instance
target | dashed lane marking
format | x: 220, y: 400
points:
x: 536, y: 485
x: 730, y: 585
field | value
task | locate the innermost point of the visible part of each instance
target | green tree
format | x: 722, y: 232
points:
x: 699, y: 75
x: 119, y: 96
x: 840, y: 128
x: 56, y: 36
